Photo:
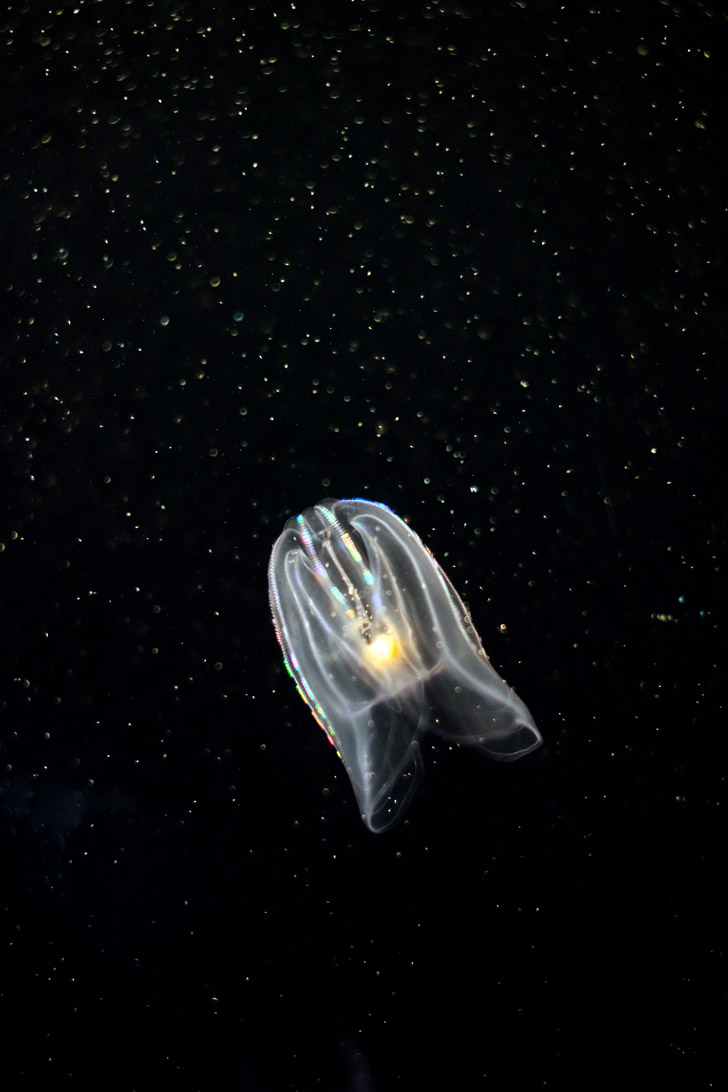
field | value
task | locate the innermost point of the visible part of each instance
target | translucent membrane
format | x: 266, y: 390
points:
x: 382, y: 650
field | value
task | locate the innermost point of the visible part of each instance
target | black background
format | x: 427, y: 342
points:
x: 466, y: 260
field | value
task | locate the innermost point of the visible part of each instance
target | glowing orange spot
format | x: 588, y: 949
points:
x: 383, y: 649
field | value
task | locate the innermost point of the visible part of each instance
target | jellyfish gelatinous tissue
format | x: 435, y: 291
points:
x: 382, y: 650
